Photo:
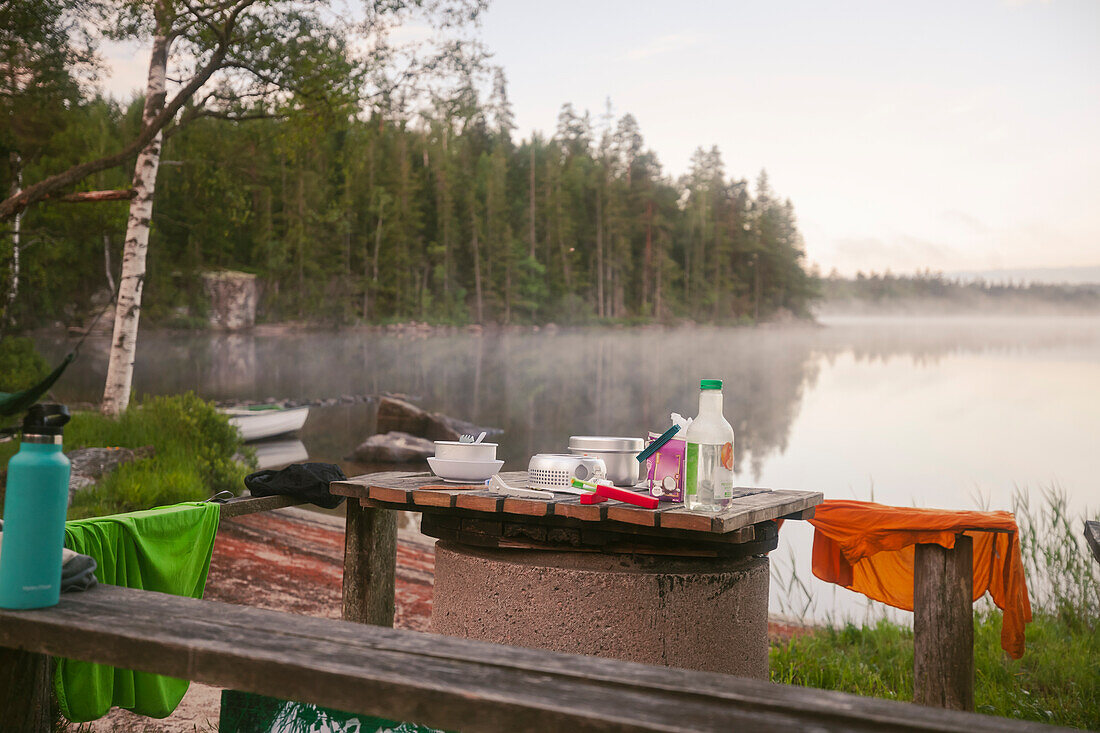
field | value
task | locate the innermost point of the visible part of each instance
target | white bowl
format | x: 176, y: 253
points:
x: 451, y: 450
x: 463, y: 472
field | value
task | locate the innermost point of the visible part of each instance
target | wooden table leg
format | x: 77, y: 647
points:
x: 943, y: 625
x: 370, y: 564
x: 26, y: 684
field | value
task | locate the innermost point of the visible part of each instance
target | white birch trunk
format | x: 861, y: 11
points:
x: 16, y: 187
x: 120, y: 369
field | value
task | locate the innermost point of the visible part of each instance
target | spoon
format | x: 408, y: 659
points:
x: 481, y: 437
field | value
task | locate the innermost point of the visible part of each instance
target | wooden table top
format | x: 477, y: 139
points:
x: 424, y: 491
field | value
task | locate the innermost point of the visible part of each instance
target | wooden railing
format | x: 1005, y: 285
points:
x: 450, y: 683
x: 456, y: 684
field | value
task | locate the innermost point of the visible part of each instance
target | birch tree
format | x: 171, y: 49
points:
x: 243, y: 59
x: 16, y: 187
x: 120, y: 367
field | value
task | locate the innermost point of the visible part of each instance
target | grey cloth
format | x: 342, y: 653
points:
x: 77, y: 571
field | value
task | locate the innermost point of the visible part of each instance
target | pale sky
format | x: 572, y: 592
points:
x: 952, y: 135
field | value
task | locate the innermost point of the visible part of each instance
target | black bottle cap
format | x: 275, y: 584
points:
x: 46, y: 419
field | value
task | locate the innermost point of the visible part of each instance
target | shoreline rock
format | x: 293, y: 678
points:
x: 393, y: 447
x: 88, y: 465
x: 399, y: 414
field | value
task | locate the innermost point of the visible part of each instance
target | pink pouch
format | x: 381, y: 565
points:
x: 666, y: 469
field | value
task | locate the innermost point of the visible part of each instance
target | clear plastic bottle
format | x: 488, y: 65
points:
x: 709, y: 480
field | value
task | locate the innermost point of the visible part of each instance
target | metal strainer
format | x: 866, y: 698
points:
x: 549, y: 471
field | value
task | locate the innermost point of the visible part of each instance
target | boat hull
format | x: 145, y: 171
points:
x: 260, y: 424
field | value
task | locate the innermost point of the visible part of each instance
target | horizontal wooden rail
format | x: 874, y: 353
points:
x: 242, y: 505
x: 440, y: 681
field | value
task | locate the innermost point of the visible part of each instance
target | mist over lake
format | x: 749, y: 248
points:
x: 947, y: 412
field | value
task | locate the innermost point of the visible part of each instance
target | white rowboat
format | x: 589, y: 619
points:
x: 256, y: 424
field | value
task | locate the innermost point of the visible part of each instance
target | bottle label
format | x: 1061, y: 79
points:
x: 691, y: 463
x: 724, y: 481
x: 709, y: 472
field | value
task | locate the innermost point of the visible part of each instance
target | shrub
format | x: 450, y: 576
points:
x: 21, y: 366
x: 195, y: 455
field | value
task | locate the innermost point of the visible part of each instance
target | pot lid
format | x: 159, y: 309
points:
x: 605, y: 443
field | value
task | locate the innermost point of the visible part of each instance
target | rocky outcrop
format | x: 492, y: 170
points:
x: 233, y: 297
x: 393, y: 447
x: 397, y: 414
x: 88, y: 465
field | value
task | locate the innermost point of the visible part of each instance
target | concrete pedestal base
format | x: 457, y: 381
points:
x: 707, y: 614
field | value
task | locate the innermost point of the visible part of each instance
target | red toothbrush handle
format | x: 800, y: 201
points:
x: 610, y: 492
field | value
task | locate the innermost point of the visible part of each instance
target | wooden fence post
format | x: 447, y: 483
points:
x: 26, y: 684
x: 370, y: 564
x: 943, y: 625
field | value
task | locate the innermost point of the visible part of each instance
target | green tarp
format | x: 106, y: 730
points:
x: 166, y: 550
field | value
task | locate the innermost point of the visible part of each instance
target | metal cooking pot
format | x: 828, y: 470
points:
x: 620, y: 455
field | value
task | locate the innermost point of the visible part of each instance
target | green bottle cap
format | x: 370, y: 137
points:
x: 710, y: 384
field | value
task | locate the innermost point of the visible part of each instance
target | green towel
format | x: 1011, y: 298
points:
x: 166, y: 550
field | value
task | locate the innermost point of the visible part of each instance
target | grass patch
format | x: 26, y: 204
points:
x: 195, y: 449
x: 1056, y: 681
x: 876, y: 661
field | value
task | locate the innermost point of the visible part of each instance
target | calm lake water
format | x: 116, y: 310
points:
x: 940, y: 412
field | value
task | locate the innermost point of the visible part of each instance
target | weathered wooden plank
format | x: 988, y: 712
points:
x: 242, y: 505
x: 943, y: 625
x: 493, y: 527
x: 514, y: 478
x: 559, y: 533
x: 408, y: 489
x: 434, y: 497
x: 370, y: 564
x: 623, y: 545
x: 687, y: 519
x: 524, y: 531
x: 804, y: 514
x: 445, y: 682
x: 1092, y: 536
x: 573, y: 509
x: 390, y: 496
x: 618, y: 511
x: 743, y: 511
x: 25, y: 684
x: 526, y: 507
x: 480, y: 501
x: 761, y: 507
x: 358, y: 486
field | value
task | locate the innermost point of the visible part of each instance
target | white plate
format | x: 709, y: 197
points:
x: 460, y: 472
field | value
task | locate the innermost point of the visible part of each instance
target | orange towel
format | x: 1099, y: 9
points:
x: 868, y: 548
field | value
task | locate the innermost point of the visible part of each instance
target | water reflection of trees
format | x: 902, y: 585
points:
x: 542, y: 388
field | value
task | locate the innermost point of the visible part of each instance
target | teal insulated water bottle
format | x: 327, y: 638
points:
x: 35, y: 502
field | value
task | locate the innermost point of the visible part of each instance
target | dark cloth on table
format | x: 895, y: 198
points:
x: 307, y: 481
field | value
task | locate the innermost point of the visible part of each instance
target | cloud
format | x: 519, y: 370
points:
x: 663, y: 44
x: 963, y: 220
x: 902, y: 253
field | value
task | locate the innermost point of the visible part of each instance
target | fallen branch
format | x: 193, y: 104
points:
x: 124, y: 194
